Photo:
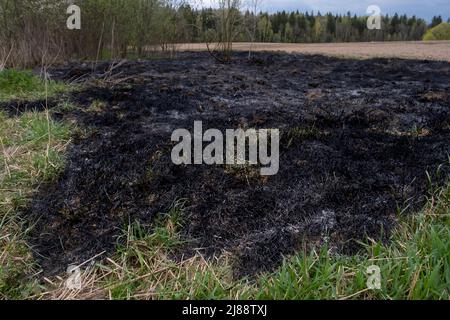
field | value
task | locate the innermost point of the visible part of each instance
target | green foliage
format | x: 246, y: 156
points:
x: 265, y: 29
x: 440, y: 32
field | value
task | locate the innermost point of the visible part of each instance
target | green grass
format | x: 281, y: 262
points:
x: 23, y: 85
x: 415, y: 265
x: 31, y: 152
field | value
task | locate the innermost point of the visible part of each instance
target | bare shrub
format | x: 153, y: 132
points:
x: 36, y: 30
x: 220, y: 42
x: 30, y: 30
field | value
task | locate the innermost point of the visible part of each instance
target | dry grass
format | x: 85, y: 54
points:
x: 142, y: 269
x: 431, y: 50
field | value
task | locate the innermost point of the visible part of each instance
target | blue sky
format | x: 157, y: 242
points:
x: 421, y: 8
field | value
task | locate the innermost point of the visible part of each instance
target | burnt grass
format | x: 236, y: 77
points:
x: 357, y: 138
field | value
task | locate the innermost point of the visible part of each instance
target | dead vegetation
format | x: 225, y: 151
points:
x: 229, y: 26
x: 338, y: 151
x: 32, y: 31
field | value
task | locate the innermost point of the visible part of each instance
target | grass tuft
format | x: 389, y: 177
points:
x: 23, y: 85
x: 415, y: 265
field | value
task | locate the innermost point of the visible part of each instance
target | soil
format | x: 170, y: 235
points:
x: 357, y: 138
x: 429, y: 50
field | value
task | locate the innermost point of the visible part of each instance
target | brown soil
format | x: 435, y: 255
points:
x: 430, y: 50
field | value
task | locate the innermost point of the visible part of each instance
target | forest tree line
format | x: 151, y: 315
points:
x: 34, y: 31
x: 298, y: 27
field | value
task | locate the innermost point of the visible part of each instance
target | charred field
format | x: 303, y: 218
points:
x: 359, y: 141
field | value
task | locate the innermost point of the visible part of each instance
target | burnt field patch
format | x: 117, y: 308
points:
x: 357, y: 138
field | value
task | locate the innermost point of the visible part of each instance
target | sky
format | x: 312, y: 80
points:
x: 421, y: 8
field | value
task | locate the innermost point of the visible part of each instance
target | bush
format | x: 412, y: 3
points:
x: 440, y: 32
